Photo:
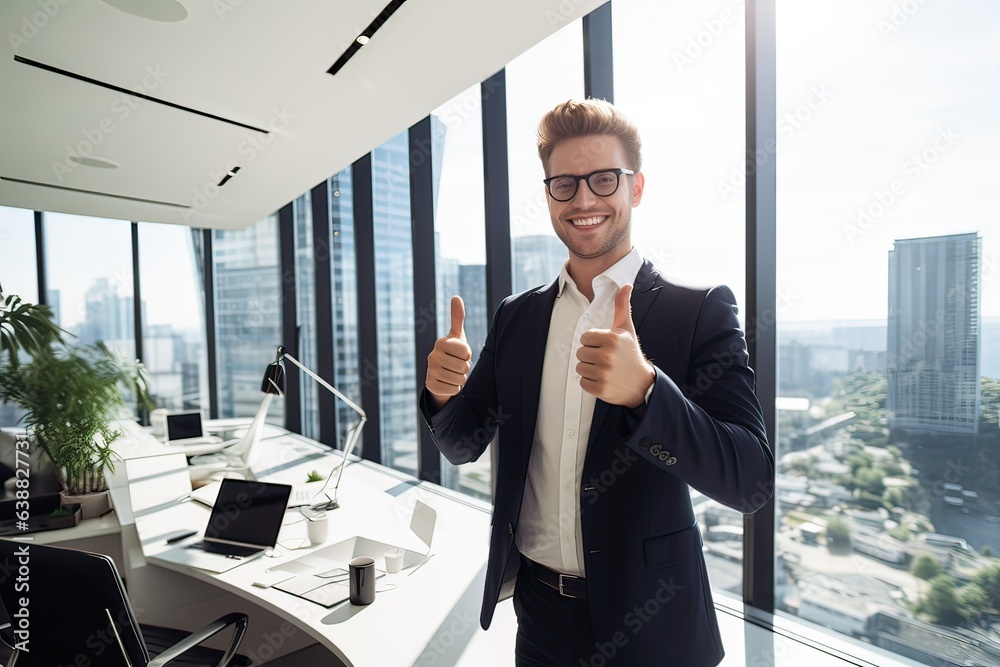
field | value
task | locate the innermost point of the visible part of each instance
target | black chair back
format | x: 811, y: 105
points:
x: 66, y: 607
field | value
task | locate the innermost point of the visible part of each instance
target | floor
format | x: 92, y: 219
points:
x: 746, y: 644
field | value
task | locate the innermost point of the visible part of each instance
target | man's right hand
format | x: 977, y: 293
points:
x: 448, y: 364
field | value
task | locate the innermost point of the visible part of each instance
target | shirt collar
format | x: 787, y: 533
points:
x: 622, y: 272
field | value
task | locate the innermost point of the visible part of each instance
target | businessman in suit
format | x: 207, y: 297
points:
x: 612, y: 390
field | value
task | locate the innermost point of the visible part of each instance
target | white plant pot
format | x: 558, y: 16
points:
x: 92, y: 505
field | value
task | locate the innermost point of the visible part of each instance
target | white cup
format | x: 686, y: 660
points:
x: 158, y: 420
x: 317, y: 529
x: 393, y: 561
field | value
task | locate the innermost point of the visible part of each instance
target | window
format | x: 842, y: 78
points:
x: 889, y: 324
x: 344, y: 284
x: 173, y: 316
x: 679, y: 75
x: 18, y: 274
x: 248, y: 302
x: 397, y: 367
x: 460, y: 245
x: 305, y: 294
x: 90, y: 282
x: 532, y: 90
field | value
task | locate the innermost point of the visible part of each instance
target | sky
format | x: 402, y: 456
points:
x: 872, y: 95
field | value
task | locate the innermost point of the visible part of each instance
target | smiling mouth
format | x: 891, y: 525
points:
x: 588, y: 222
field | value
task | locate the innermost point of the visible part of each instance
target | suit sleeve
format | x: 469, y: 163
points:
x: 710, y: 432
x: 466, y: 424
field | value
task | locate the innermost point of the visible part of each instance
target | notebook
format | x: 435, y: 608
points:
x: 244, y: 523
x: 185, y: 430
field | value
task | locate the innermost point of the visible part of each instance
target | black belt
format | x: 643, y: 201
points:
x: 567, y: 585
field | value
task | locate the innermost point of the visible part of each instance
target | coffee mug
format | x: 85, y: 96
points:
x: 318, y: 528
x: 393, y: 561
x: 362, y: 580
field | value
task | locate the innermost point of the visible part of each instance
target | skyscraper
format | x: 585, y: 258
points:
x: 537, y: 260
x: 248, y: 315
x: 934, y: 334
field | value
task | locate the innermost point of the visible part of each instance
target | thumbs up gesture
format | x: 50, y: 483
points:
x: 448, y: 364
x: 611, y: 364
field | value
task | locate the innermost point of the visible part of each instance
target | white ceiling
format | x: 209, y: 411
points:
x: 263, y: 64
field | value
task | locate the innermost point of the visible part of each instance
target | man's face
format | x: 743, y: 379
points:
x: 591, y: 226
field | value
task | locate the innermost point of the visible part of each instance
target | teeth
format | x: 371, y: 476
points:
x: 587, y: 222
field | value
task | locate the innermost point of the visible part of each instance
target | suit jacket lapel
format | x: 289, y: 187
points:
x: 644, y: 293
x: 536, y: 333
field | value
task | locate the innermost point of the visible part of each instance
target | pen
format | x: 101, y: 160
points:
x: 182, y: 536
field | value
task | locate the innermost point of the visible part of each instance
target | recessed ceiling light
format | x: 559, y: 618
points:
x: 98, y: 162
x: 168, y: 11
x: 362, y: 39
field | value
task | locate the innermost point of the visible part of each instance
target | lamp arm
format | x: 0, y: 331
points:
x: 326, y: 385
x: 352, y: 436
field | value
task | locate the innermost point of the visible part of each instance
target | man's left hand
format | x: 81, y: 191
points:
x: 612, y: 366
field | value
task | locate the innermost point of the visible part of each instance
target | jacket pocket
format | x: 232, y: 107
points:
x: 673, y: 547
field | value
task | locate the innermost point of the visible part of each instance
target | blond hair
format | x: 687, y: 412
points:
x: 578, y: 118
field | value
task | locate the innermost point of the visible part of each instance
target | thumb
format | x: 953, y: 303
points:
x: 623, y: 310
x: 457, y: 318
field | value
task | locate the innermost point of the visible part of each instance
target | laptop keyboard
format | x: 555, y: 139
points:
x: 227, y: 549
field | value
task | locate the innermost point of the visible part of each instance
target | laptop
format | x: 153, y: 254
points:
x: 244, y: 524
x: 301, y: 495
x: 185, y: 430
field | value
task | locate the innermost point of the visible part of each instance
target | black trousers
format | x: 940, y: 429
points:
x: 552, y: 630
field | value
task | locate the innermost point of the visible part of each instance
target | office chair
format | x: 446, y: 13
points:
x: 69, y: 607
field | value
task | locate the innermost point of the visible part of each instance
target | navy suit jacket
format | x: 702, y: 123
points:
x: 647, y: 583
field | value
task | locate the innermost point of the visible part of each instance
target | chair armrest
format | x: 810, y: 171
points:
x: 213, y: 628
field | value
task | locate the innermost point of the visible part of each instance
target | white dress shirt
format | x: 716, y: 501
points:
x: 549, y: 531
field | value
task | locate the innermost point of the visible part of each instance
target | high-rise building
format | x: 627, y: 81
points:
x: 343, y: 275
x: 537, y: 260
x: 247, y: 314
x: 934, y: 334
x: 472, y: 282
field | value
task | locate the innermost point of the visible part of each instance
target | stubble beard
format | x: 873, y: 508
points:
x: 619, y: 227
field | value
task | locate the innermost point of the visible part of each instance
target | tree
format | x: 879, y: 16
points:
x: 838, y: 532
x: 987, y: 551
x: 942, y: 604
x: 974, y: 603
x: 925, y: 567
x: 988, y: 579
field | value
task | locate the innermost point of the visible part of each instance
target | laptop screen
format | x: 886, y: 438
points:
x: 184, y: 425
x: 248, y: 512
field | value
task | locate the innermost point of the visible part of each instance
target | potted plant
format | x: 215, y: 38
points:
x: 71, y: 396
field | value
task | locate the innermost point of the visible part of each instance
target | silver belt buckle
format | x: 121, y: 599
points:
x: 562, y: 589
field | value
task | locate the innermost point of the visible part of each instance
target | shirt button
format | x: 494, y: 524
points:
x: 586, y: 316
x: 566, y: 540
x: 568, y: 486
x: 571, y: 433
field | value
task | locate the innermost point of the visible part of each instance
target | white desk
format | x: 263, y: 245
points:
x: 432, y: 607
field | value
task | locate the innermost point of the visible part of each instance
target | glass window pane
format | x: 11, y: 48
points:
x: 305, y: 294
x: 89, y: 265
x: 248, y: 315
x: 18, y: 270
x: 460, y: 245
x: 397, y: 368
x: 688, y: 104
x: 173, y: 311
x: 343, y: 271
x: 889, y: 324
x: 532, y: 90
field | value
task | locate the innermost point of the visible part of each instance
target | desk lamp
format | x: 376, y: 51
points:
x: 275, y: 378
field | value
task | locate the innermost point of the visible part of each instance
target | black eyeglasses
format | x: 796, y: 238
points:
x: 603, y: 183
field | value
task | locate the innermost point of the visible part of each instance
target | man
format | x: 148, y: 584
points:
x: 600, y: 435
